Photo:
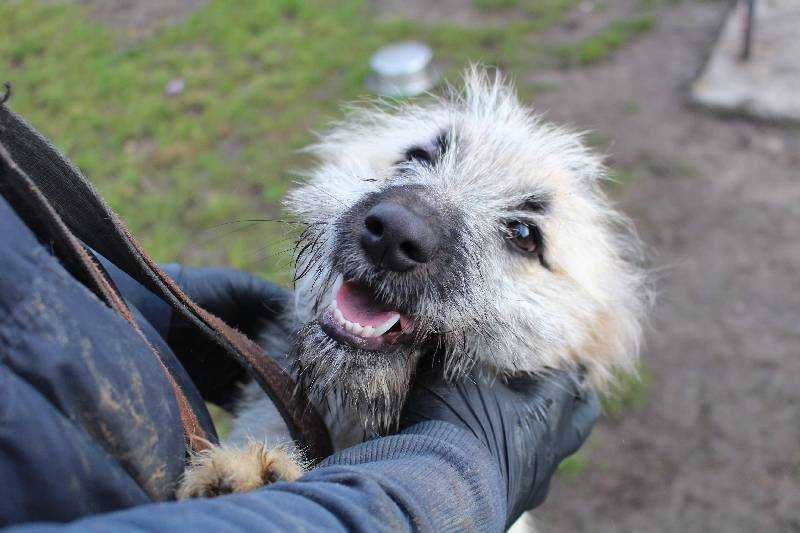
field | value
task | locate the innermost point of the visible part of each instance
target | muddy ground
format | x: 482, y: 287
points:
x: 716, y: 447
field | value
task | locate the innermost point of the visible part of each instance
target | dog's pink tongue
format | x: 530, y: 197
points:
x: 357, y: 305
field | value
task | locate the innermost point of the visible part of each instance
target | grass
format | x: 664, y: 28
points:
x: 601, y: 46
x: 629, y: 394
x: 258, y: 76
x: 573, y: 466
x: 223, y: 420
x: 796, y: 470
x: 490, y: 5
x: 618, y: 179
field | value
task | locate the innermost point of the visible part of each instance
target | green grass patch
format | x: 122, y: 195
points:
x: 491, y: 5
x: 223, y: 420
x: 259, y: 75
x: 573, y: 466
x: 629, y: 393
x: 631, y: 108
x: 618, y: 179
x: 601, y: 46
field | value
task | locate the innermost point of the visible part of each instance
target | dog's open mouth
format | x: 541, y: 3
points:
x: 356, y: 317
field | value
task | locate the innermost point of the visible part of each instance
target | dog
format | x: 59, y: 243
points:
x: 463, y: 230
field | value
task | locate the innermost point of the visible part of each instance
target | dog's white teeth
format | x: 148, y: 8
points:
x: 354, y: 327
x: 386, y: 326
x: 363, y: 331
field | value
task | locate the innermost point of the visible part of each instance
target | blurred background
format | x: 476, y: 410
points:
x: 188, y: 116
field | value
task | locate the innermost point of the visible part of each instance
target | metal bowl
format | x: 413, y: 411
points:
x: 402, y: 69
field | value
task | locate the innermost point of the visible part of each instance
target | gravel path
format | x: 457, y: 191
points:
x: 717, y: 447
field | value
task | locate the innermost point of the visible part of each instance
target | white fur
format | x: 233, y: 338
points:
x: 587, y: 310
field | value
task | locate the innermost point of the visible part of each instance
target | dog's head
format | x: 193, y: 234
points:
x: 465, y: 229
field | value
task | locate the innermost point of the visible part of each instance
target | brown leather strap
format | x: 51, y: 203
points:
x: 300, y: 416
x: 39, y: 215
x: 83, y: 213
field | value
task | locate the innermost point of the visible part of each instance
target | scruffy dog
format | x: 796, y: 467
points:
x: 464, y: 230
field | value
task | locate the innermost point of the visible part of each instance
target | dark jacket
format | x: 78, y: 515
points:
x: 90, y: 434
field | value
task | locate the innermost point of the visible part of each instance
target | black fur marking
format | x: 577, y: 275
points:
x: 428, y: 153
x: 442, y: 142
x: 6, y: 95
x: 419, y: 154
x: 537, y: 203
x: 544, y: 262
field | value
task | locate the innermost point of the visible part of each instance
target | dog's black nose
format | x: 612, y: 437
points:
x: 401, y: 233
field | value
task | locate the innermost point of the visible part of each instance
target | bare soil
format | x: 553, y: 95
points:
x: 717, y: 446
x: 139, y: 19
x: 458, y: 12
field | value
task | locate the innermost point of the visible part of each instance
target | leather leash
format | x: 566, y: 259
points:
x: 66, y: 212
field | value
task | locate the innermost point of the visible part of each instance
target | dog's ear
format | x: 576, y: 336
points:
x: 428, y: 152
x: 613, y: 339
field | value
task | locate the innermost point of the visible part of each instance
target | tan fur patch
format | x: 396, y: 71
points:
x: 226, y: 469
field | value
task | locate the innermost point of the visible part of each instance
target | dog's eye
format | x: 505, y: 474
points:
x: 419, y: 154
x: 525, y: 236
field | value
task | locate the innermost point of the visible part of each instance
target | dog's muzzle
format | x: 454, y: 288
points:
x: 390, y: 252
x: 402, y: 230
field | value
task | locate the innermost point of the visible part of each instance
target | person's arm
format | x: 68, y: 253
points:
x: 434, y: 476
x: 472, y: 457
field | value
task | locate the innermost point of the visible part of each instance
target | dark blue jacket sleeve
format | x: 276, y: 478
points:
x: 431, y: 477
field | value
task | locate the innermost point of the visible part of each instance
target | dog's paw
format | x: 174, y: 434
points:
x: 226, y: 469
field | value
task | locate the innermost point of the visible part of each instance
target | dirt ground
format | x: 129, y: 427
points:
x: 139, y: 19
x: 717, y: 445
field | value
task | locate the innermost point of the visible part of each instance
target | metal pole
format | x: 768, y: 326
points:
x: 749, y: 22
